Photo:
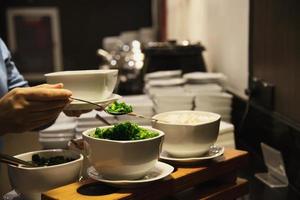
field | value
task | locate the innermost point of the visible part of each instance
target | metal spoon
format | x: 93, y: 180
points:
x: 102, y: 119
x: 115, y: 113
x: 14, y: 161
x: 110, y: 112
x: 125, y: 113
x: 89, y: 102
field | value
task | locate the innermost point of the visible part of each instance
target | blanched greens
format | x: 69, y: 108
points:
x: 117, y: 107
x: 124, y: 131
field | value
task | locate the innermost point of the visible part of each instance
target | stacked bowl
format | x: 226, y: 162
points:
x: 59, y: 134
x: 163, y: 82
x: 89, y: 120
x: 169, y: 102
x: 215, y: 102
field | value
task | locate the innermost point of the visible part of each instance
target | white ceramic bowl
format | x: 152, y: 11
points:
x: 69, y: 135
x: 92, y: 85
x: 54, y: 143
x: 31, y: 182
x: 187, y: 133
x: 119, y: 160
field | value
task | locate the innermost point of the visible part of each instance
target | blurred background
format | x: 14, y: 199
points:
x: 248, y: 50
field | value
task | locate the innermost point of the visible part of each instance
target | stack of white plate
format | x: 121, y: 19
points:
x: 163, y: 81
x: 202, y: 88
x: 226, y: 135
x: 89, y: 120
x: 161, y: 86
x: 59, y: 134
x: 165, y: 102
x: 171, y: 90
x: 205, y: 77
x: 167, y: 74
x: 215, y: 102
x: 142, y: 105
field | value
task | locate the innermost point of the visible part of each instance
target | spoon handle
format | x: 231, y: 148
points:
x: 102, y: 119
x: 8, y: 162
x: 15, y: 160
x: 85, y: 101
x: 140, y: 116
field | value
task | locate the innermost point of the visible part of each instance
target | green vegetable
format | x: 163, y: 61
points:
x: 55, y: 160
x: 117, y: 107
x: 124, y: 131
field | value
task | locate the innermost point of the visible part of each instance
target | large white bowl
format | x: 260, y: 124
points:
x: 119, y: 160
x: 31, y: 182
x: 187, y: 133
x: 92, y: 85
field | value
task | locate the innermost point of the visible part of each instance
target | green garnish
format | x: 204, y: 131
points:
x: 117, y: 107
x: 124, y: 131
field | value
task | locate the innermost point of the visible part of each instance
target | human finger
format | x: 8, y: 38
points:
x: 43, y: 116
x: 54, y: 86
x: 38, y: 106
x: 34, y: 124
x: 46, y: 94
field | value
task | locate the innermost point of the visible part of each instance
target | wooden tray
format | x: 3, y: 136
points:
x: 222, y: 170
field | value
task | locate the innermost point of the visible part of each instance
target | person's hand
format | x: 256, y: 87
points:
x: 75, y: 113
x: 24, y: 109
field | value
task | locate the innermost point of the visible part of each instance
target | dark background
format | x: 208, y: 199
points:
x: 85, y: 23
x: 274, y: 57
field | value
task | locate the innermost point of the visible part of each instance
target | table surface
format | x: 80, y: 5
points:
x: 184, y: 177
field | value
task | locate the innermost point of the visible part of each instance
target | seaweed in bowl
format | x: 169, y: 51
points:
x: 41, y: 161
x: 124, y: 131
x: 30, y: 182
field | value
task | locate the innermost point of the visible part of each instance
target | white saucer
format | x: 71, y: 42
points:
x: 158, y: 172
x: 214, y: 151
x: 167, y: 82
x: 79, y: 105
x: 163, y: 74
x: 204, y: 77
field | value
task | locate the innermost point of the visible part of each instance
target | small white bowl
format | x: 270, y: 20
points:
x: 119, y: 160
x: 57, y: 135
x: 92, y: 85
x: 31, y: 182
x: 187, y: 133
x: 54, y: 143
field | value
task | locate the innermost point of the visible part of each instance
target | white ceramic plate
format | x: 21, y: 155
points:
x: 158, y: 172
x: 57, y: 135
x: 79, y: 105
x: 203, y: 88
x: 225, y: 127
x: 167, y: 82
x: 204, y: 77
x: 163, y: 74
x: 214, y: 152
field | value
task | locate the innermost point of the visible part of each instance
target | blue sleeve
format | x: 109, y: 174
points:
x: 14, y: 78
